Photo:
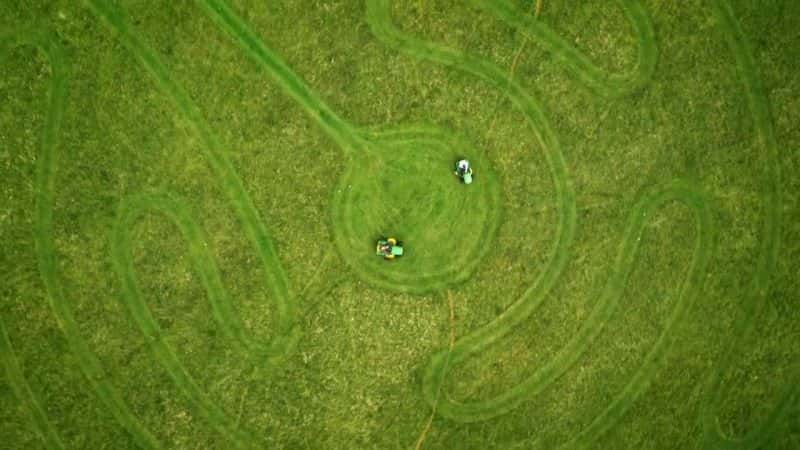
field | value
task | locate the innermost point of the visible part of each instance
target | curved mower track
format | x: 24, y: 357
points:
x: 358, y: 143
x: 607, y: 85
x: 16, y: 378
x: 45, y: 182
x: 203, y: 261
x: 272, y: 272
x: 23, y: 392
x: 576, y: 63
x: 46, y: 167
x: 364, y: 149
x: 769, y: 244
x: 379, y: 16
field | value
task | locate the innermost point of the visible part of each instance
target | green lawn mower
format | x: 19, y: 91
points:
x: 389, y: 248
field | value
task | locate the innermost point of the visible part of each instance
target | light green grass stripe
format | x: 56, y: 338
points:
x: 273, y: 274
x: 272, y: 270
x: 347, y: 136
x: 122, y: 261
x: 758, y: 104
x: 379, y: 17
x: 600, y: 315
x: 578, y: 64
x: 200, y: 255
x: 46, y: 165
x: 14, y: 374
x: 704, y: 242
x: 334, y: 126
x: 23, y: 392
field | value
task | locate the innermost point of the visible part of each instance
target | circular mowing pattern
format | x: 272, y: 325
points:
x: 97, y: 379
x: 402, y: 185
x: 608, y: 85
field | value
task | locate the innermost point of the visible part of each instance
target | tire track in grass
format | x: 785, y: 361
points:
x: 577, y: 64
x: 379, y: 18
x: 22, y: 390
x: 769, y: 245
x: 272, y: 270
x: 600, y: 315
x: 273, y: 275
x: 451, y: 341
x: 612, y: 86
x: 690, y: 196
x: 202, y: 260
x: 14, y: 374
x: 337, y: 128
x: 363, y: 148
x: 46, y: 166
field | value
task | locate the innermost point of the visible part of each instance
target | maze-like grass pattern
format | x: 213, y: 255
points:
x: 353, y: 142
x: 46, y: 168
x: 481, y: 339
x: 447, y: 241
x: 609, y: 85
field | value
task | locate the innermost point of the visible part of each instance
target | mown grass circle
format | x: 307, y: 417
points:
x: 402, y: 185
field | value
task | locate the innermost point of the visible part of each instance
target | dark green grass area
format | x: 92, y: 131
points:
x: 190, y: 194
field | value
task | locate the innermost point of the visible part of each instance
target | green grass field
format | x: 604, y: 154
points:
x: 190, y: 194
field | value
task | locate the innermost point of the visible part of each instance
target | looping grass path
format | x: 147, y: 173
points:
x: 272, y: 272
x: 46, y: 166
x: 22, y: 390
x: 602, y: 312
x: 202, y: 259
x: 769, y: 245
x: 396, y: 183
x: 380, y: 19
x: 608, y: 85
x: 132, y: 208
x: 576, y: 63
x: 369, y: 153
